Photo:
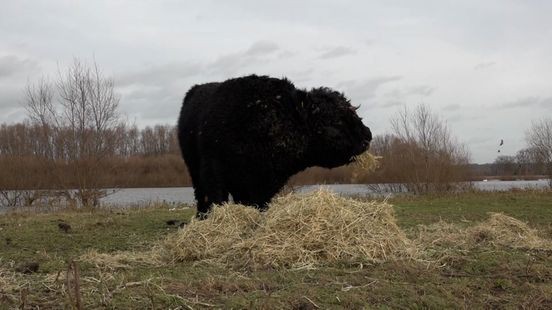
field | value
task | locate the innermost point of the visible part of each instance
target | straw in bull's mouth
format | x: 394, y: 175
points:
x: 367, y: 161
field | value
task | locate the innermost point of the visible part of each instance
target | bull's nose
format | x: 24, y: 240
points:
x: 368, y: 134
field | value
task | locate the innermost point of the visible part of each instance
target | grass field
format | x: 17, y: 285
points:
x: 486, y: 277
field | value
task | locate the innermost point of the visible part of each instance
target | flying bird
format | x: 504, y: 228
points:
x: 501, y: 142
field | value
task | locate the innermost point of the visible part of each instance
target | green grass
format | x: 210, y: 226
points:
x: 533, y: 207
x: 484, y: 278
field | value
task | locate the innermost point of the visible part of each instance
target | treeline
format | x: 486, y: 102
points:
x: 526, y: 164
x: 131, y: 157
x: 35, y: 140
x: 150, y: 157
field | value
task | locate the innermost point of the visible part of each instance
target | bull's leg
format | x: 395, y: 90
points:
x: 199, y: 191
x: 212, y: 184
x: 199, y: 194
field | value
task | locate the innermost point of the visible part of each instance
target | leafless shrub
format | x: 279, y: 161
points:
x: 539, y: 138
x: 77, y: 116
x: 421, y: 153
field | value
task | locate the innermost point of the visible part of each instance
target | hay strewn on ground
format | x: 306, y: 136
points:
x: 10, y: 282
x: 443, y: 240
x: 297, y: 231
x: 504, y: 230
x: 121, y: 260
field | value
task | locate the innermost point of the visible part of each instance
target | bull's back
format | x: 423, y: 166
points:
x: 197, y: 100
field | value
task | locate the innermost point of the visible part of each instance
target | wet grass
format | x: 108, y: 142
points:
x: 482, y: 278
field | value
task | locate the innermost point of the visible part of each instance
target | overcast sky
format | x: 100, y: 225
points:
x: 484, y: 66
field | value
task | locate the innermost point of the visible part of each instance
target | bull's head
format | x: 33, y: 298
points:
x: 337, y: 133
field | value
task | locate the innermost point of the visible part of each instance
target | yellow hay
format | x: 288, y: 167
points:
x: 504, y: 230
x: 367, y: 161
x: 226, y: 225
x: 297, y: 231
x: 321, y: 228
x: 121, y: 260
x: 498, y: 230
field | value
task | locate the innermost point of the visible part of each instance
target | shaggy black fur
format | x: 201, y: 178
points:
x: 246, y: 136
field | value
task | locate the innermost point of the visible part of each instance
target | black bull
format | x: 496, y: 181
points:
x: 247, y: 136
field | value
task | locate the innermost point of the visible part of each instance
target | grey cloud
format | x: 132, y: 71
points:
x: 369, y: 42
x: 231, y: 64
x: 11, y: 115
x: 398, y: 96
x: 301, y: 76
x: 154, y: 102
x: 262, y: 48
x: 394, y: 93
x: 366, y: 89
x: 10, y: 96
x: 11, y: 64
x: 285, y: 54
x: 392, y: 103
x: 531, y: 101
x: 167, y: 110
x: 546, y: 102
x: 423, y: 90
x: 451, y: 107
x: 480, y: 140
x: 337, y: 52
x: 484, y: 65
x: 158, y: 75
x: 457, y: 118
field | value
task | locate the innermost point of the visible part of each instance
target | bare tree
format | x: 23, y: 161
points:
x: 539, y: 138
x: 423, y: 154
x: 78, y: 115
x: 529, y: 163
x: 505, y: 165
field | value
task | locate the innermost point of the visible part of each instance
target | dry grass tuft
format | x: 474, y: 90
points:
x: 297, y: 231
x: 10, y: 284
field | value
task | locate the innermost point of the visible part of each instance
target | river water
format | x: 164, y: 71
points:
x: 138, y: 196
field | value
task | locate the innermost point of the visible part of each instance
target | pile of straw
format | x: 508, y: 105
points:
x: 226, y: 226
x: 297, y: 231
